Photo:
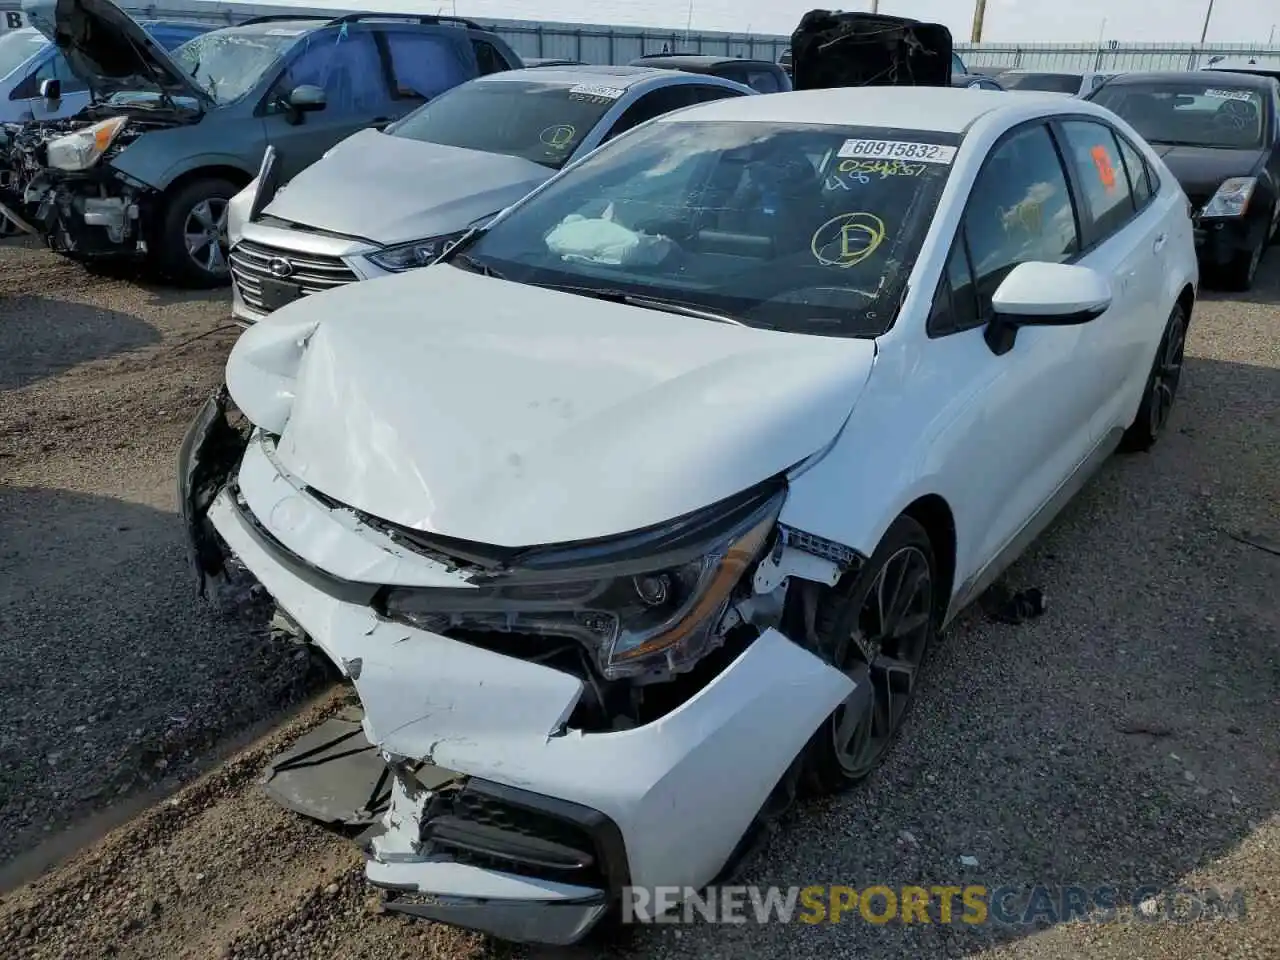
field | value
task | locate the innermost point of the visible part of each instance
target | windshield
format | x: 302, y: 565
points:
x: 539, y: 121
x: 1209, y: 113
x: 17, y: 47
x: 798, y: 227
x: 227, y: 64
x: 1047, y: 82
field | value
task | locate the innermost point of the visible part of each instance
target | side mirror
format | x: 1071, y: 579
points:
x: 51, y: 89
x: 307, y: 98
x: 1045, y: 295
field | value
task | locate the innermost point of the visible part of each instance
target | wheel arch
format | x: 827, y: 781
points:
x: 231, y: 174
x: 1187, y: 301
x: 933, y: 513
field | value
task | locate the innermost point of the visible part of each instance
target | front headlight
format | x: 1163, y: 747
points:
x: 418, y: 253
x: 642, y: 616
x: 82, y: 149
x: 1232, y: 198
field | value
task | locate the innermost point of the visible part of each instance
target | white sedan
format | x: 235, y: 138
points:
x: 643, y: 506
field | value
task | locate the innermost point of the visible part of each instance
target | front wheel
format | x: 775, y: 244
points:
x: 876, y: 628
x: 1240, y: 273
x: 193, y: 233
x: 1162, y: 386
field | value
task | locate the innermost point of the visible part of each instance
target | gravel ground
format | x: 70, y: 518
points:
x: 1127, y: 737
x: 115, y: 677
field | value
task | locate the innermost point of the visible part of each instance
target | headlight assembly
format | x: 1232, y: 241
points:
x: 419, y: 253
x: 1232, y: 198
x: 82, y: 149
x: 639, y: 616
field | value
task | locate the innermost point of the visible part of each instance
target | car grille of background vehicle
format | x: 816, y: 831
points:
x: 313, y: 273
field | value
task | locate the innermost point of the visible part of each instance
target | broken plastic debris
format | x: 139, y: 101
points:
x: 967, y: 861
x: 1004, y: 605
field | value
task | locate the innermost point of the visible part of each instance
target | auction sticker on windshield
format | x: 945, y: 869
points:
x: 1229, y: 94
x: 897, y: 150
x: 596, y: 90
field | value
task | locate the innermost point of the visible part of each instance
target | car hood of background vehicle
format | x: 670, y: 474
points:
x: 1201, y: 170
x: 108, y: 49
x: 390, y: 189
x: 512, y: 415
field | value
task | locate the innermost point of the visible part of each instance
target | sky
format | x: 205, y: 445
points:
x: 1077, y: 21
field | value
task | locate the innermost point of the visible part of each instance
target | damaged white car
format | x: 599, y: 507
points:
x: 641, y: 508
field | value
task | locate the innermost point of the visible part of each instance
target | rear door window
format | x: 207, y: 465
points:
x: 488, y: 59
x: 425, y: 65
x: 1094, y: 154
x: 346, y: 66
x: 763, y: 81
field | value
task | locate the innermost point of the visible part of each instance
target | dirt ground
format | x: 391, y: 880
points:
x: 1127, y: 737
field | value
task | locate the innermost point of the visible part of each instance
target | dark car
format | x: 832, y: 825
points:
x: 145, y: 171
x: 1217, y: 133
x: 760, y: 75
x: 975, y: 81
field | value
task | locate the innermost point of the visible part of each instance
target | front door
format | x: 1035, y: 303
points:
x: 346, y: 65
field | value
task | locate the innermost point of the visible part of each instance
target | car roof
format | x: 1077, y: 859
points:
x: 570, y: 74
x: 1026, y: 71
x: 942, y: 109
x: 300, y: 25
x: 1191, y: 76
x: 702, y: 60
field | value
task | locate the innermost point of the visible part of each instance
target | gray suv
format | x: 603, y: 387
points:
x: 167, y: 139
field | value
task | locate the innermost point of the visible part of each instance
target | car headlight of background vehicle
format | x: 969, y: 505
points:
x: 635, y: 617
x: 418, y: 253
x: 82, y: 149
x: 1232, y: 198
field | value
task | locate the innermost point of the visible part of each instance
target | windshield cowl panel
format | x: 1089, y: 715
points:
x: 1210, y: 113
x: 801, y: 228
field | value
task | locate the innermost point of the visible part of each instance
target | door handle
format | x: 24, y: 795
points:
x: 1160, y: 242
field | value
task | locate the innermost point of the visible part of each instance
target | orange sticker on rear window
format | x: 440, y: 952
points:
x: 1106, y: 172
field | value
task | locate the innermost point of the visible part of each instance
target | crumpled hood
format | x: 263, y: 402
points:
x: 108, y: 49
x: 512, y: 415
x: 407, y: 189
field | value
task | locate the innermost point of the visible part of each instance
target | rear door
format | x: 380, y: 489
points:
x: 1122, y: 240
x: 348, y: 65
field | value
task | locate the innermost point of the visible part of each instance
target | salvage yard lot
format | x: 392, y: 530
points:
x: 1129, y: 736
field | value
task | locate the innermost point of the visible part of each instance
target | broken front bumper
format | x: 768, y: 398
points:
x: 509, y: 820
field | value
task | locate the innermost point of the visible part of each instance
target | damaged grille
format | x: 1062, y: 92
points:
x: 482, y: 826
x: 312, y: 273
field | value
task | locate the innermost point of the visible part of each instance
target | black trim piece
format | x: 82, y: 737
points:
x: 554, y: 923
x: 611, y: 852
x: 347, y: 591
x: 211, y: 449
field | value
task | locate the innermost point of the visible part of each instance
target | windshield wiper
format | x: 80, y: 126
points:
x: 472, y: 265
x: 650, y: 303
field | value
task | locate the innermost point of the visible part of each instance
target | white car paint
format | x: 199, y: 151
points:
x: 560, y: 411
x: 482, y: 410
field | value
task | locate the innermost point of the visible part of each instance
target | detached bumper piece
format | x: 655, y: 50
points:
x: 503, y: 861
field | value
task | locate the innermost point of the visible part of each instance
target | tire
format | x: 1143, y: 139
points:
x: 847, y: 747
x: 181, y: 216
x: 1239, y: 274
x: 1161, y: 388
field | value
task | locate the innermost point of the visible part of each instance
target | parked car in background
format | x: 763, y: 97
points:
x: 760, y: 75
x: 975, y: 81
x: 989, y: 70
x: 1262, y: 66
x: 1071, y: 84
x: 27, y: 59
x: 1217, y: 132
x: 147, y: 169
x: 642, y: 507
x: 385, y: 202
